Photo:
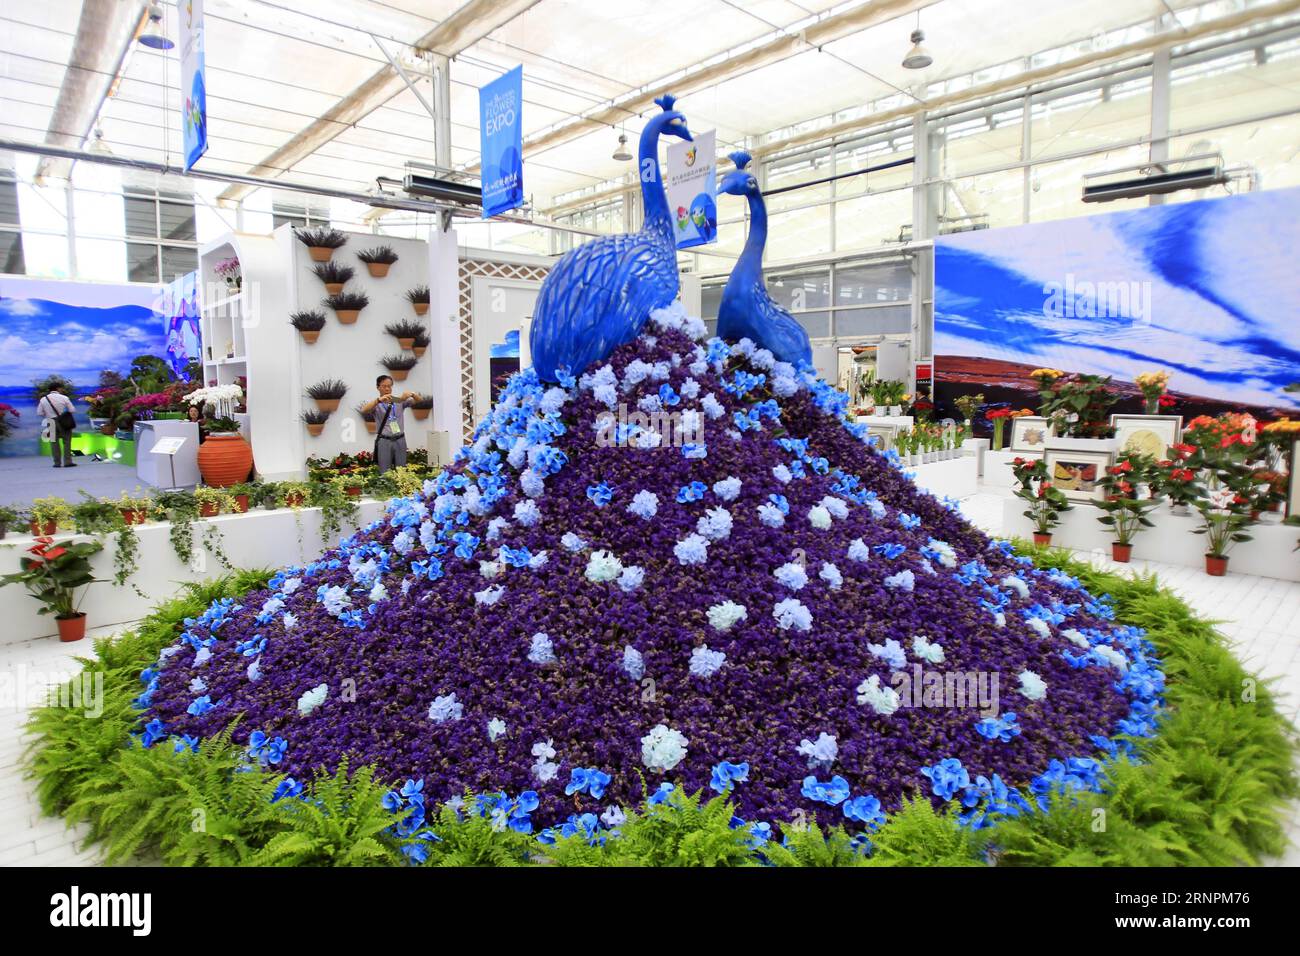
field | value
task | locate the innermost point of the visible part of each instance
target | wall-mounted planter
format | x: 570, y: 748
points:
x: 378, y: 260
x: 421, y: 308
x: 347, y: 316
x: 398, y: 365
x: 309, y: 336
x: 419, y: 299
x: 378, y: 270
x: 326, y: 394
x: 321, y: 241
x: 421, y: 413
x: 348, y: 305
x: 314, y: 430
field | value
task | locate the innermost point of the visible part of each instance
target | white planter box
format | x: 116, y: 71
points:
x: 954, y: 478
x: 997, y: 467
x: 258, y: 539
x: 1082, y: 444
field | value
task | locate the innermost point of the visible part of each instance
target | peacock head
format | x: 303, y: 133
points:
x: 670, y: 122
x: 740, y: 182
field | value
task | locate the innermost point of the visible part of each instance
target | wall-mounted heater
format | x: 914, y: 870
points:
x: 1151, y: 179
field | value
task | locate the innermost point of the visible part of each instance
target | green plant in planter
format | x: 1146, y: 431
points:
x: 1079, y: 405
x: 50, y: 509
x: 1122, y: 510
x: 1045, y: 501
x: 181, y: 510
x: 293, y: 494
x: 9, y: 518
x: 969, y: 405
x: 335, y: 504
x: 223, y: 426
x: 95, y: 516
x: 252, y: 490
x: 54, y: 572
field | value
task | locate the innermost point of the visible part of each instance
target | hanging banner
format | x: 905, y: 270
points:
x: 692, y: 187
x: 501, y: 142
x: 192, y: 81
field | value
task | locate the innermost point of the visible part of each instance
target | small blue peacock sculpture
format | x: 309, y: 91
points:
x: 599, y: 295
x: 747, y: 311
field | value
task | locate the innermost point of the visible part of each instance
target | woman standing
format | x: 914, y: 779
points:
x: 388, y: 409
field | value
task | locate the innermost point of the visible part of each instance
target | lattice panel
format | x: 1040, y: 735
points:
x: 469, y: 268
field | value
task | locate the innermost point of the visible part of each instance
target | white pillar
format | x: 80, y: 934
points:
x: 444, y: 332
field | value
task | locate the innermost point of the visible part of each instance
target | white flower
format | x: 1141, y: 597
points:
x: 770, y: 515
x: 947, y: 556
x: 791, y: 613
x: 831, y: 575
x: 198, y: 685
x: 538, y: 560
x: 723, y: 616
x: 255, y: 670
x: 603, y: 566
x: 445, y: 707
x: 663, y: 748
x: 1032, y: 686
x: 403, y: 542
x: 904, y: 580
x: 645, y: 504
x: 728, y: 488
x: 633, y: 662
x: 782, y: 474
x: 819, y: 517
x: 1040, y: 627
x: 822, y: 752
x: 858, y: 550
x: 290, y: 585
x: 543, y: 750
x: 923, y: 649
x: 572, y: 542
x: 693, y: 549
x: 704, y: 662
x: 336, y: 600
x: 527, y: 513
x: 883, y: 700
x: 613, y: 817
x: 489, y: 596
x: 1075, y: 636
x: 495, y: 728
x: 631, y: 578
x: 836, y: 506
x: 541, y: 650
x: 312, y: 699
x: 494, y: 529
x: 1016, y: 584
x: 545, y: 772
x: 715, y: 524
x: 648, y: 439
x: 1111, y: 656
x: 791, y: 575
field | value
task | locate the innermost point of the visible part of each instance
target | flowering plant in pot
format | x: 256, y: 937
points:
x: 398, y: 365
x: 1079, y: 405
x: 321, y: 241
x: 1045, y: 378
x: 327, y: 393
x: 419, y: 299
x: 969, y: 405
x: 1123, y: 511
x: 315, y: 422
x: 1174, y: 479
x: 1231, y: 435
x: 53, y: 574
x: 1225, y: 517
x: 47, y: 514
x: 214, y: 501
x: 405, y: 332
x: 378, y: 260
x: 225, y: 458
x: 998, y: 418
x: 135, y: 509
x: 1153, y: 386
x: 245, y: 493
x: 308, y: 324
x: 223, y: 398
x: 1045, y: 502
x: 334, y: 274
x: 347, y: 305
x: 229, y: 270
x: 293, y: 494
x: 420, y: 343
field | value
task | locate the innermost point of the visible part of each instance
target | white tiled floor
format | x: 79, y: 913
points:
x: 1261, y: 615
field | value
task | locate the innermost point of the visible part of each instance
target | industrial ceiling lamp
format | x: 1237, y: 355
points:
x: 153, y: 35
x: 97, y: 144
x: 622, y: 154
x: 918, y: 58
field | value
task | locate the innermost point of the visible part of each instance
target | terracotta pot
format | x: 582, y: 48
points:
x: 108, y: 429
x: 315, y: 430
x: 1042, y: 540
x: 378, y: 269
x: 333, y: 288
x: 399, y: 374
x: 1216, y: 566
x: 418, y: 350
x: 1121, y: 552
x: 293, y: 501
x: 208, y: 509
x: 320, y: 253
x: 406, y: 343
x: 421, y: 308
x: 347, y: 316
x: 371, y: 425
x: 134, y: 517
x: 421, y: 413
x: 353, y: 491
x: 47, y: 529
x: 241, y: 504
x: 308, y: 336
x: 72, y: 628
x: 225, y: 460
x: 328, y: 404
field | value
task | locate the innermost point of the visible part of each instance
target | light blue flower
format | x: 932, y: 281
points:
x: 446, y: 707
x: 866, y: 810
x: 693, y: 549
x: 541, y: 650
x: 833, y: 792
x: 704, y: 662
x: 200, y: 706
x: 600, y: 495
x: 587, y: 780
x: 726, y: 775
x: 645, y: 504
x: 288, y: 787
x: 662, y: 795
x: 904, y: 580
x: 633, y: 662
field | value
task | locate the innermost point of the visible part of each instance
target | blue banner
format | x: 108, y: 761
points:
x: 195, y: 109
x: 502, y: 142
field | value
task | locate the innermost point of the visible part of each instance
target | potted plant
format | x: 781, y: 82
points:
x: 229, y: 270
x: 1079, y: 405
x: 1153, y: 386
x: 315, y: 422
x: 348, y: 305
x: 378, y: 260
x: 47, y: 514
x: 419, y: 299
x: 214, y: 501
x: 9, y: 517
x: 969, y: 405
x: 998, y: 418
x: 308, y: 324
x: 334, y: 274
x: 1123, y: 511
x: 1224, y: 518
x: 369, y: 418
x: 135, y: 509
x: 1045, y: 502
x: 294, y: 494
x: 398, y: 365
x: 52, y: 573
x: 420, y: 344
x: 1044, y: 379
x: 244, y: 494
x: 327, y: 394
x: 405, y: 332
x: 226, y: 458
x: 125, y: 423
x: 95, y: 516
x: 421, y: 407
x: 321, y: 241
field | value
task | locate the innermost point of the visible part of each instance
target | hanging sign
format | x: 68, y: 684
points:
x: 692, y: 188
x: 501, y: 142
x: 195, y: 109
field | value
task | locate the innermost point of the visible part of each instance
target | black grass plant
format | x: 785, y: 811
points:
x: 313, y: 417
x: 422, y: 340
x: 321, y: 237
x: 348, y: 301
x: 396, y: 363
x: 310, y: 321
x: 405, y: 329
x: 327, y: 389
x: 419, y: 295
x: 383, y: 255
x: 422, y: 403
x: 333, y: 272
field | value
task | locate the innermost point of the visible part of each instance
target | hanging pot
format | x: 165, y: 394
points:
x: 320, y: 253
x: 407, y: 343
x: 225, y: 460
x: 398, y: 374
x: 1042, y: 540
x: 72, y: 628
x: 421, y: 308
x: 378, y: 269
x: 372, y: 426
x: 333, y: 288
x: 418, y: 350
x: 421, y: 413
x: 1216, y: 565
x: 309, y: 336
x: 328, y: 404
x: 347, y: 316
x: 315, y: 430
x: 1121, y: 552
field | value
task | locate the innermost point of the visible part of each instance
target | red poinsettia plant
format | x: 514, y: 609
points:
x: 52, y: 573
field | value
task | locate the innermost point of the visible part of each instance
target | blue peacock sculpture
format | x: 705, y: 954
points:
x: 598, y: 296
x: 747, y: 311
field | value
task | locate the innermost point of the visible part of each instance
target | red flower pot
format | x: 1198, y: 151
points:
x: 47, y: 529
x: 347, y: 316
x: 398, y: 374
x: 293, y: 501
x: 1121, y: 552
x: 1042, y: 540
x: 421, y: 413
x: 225, y: 460
x: 353, y: 491
x: 241, y: 504
x: 208, y: 510
x: 421, y: 308
x: 320, y: 253
x: 134, y: 517
x: 315, y: 430
x: 333, y: 288
x: 72, y: 628
x: 1216, y: 566
x: 419, y: 350
x: 309, y: 336
x: 378, y: 269
x: 407, y: 343
x: 328, y: 404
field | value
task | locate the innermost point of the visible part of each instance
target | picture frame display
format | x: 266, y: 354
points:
x: 1150, y: 435
x: 884, y: 435
x: 1029, y: 433
x: 1076, y: 473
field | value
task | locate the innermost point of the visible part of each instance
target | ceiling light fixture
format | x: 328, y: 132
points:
x: 622, y: 154
x: 153, y: 35
x: 918, y: 58
x: 97, y: 144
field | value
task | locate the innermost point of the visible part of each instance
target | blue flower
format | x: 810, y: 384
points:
x: 909, y: 521
x: 185, y: 742
x: 726, y: 775
x: 866, y: 810
x: 946, y: 777
x: 200, y: 706
x: 153, y: 732
x: 780, y: 503
x: 661, y: 795
x: 692, y: 492
x: 834, y: 792
x: 1003, y: 729
x: 587, y: 780
x: 600, y: 495
x: 667, y: 395
x: 288, y: 787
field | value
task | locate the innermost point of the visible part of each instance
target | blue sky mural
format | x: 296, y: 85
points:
x: 507, y: 349
x: 1204, y: 289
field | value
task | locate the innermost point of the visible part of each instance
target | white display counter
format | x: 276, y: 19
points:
x: 156, y: 470
x: 1271, y: 553
x: 997, y: 467
x: 258, y: 539
x: 955, y: 478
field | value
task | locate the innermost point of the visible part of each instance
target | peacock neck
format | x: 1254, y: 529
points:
x: 653, y: 198
x: 752, y: 254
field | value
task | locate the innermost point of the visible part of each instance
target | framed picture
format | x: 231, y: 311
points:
x: 881, y: 436
x: 1293, y: 489
x: 1150, y: 435
x: 1076, y: 473
x: 1030, y: 433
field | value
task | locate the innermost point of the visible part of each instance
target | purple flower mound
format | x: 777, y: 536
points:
x: 473, y: 644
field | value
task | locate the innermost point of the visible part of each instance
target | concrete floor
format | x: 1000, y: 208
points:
x: 24, y: 479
